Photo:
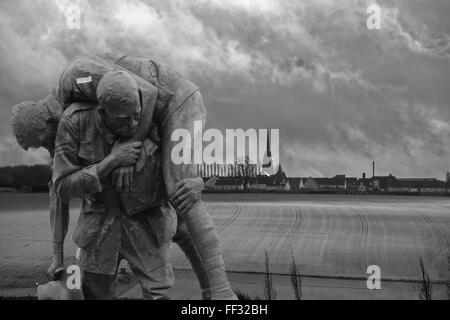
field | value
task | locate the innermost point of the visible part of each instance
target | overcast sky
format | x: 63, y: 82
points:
x: 341, y: 95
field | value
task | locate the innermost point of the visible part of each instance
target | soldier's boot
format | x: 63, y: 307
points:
x: 206, y: 242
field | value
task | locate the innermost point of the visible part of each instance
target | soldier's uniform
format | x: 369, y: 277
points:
x: 105, y: 232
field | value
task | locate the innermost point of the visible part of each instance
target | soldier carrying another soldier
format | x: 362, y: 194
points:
x: 172, y: 108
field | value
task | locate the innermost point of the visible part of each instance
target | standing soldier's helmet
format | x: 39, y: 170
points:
x: 34, y: 123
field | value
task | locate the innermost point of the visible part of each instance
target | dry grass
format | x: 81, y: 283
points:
x: 269, y: 289
x: 426, y: 289
x: 296, y: 280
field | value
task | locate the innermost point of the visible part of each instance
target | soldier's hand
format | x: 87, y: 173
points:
x: 123, y: 178
x: 56, y: 267
x: 126, y: 154
x: 186, y: 194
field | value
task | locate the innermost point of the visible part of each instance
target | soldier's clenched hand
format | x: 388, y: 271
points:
x: 126, y: 154
x: 186, y: 194
x: 122, y: 179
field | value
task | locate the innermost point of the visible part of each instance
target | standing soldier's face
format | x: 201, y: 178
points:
x: 122, y: 120
x: 120, y: 103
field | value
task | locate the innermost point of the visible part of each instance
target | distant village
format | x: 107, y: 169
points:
x: 249, y: 178
x: 271, y: 178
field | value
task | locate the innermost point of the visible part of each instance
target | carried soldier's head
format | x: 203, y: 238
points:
x: 35, y: 123
x: 120, y: 103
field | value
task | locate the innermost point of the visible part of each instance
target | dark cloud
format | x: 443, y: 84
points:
x: 340, y: 94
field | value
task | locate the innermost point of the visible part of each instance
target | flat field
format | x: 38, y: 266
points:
x: 334, y: 238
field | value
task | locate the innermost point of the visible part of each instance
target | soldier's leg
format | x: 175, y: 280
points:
x: 152, y: 268
x: 198, y: 221
x: 97, y: 286
x: 184, y: 241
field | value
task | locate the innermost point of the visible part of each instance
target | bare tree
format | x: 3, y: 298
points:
x: 245, y: 171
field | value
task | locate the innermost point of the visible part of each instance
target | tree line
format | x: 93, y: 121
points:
x: 30, y: 178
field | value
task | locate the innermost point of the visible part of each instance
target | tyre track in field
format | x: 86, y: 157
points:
x: 441, y: 237
x: 296, y: 226
x: 364, y: 235
x: 230, y: 221
x: 298, y: 218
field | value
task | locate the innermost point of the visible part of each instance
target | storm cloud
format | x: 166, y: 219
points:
x: 341, y: 95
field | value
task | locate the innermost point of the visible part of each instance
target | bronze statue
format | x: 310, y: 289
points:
x: 176, y: 103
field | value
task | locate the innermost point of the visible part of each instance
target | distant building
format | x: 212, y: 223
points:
x: 296, y: 184
x: 228, y: 184
x: 381, y: 183
x: 352, y: 184
x: 232, y: 177
x: 276, y: 182
x: 414, y: 185
x: 338, y: 182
